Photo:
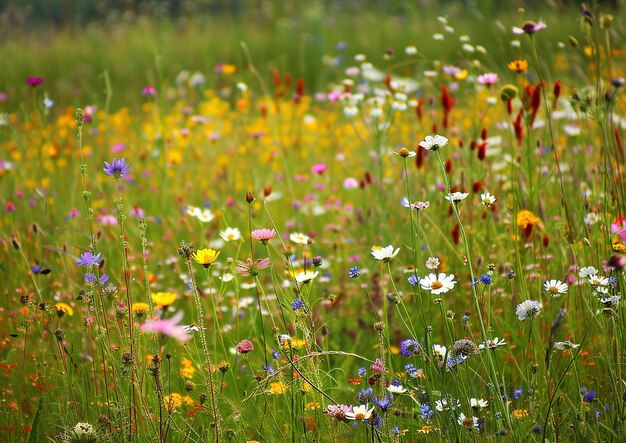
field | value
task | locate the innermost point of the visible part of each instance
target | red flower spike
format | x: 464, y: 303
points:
x: 447, y: 103
x: 448, y: 166
x: 483, y: 134
x: 473, y: 145
x: 519, y: 127
x: 556, y: 91
x: 456, y: 236
x: 477, y: 186
x: 482, y: 151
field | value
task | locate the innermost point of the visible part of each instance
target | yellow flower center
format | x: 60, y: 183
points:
x: 436, y: 285
x: 553, y: 289
x: 359, y: 416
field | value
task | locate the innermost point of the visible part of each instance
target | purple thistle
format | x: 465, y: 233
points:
x: 117, y: 168
x: 88, y: 259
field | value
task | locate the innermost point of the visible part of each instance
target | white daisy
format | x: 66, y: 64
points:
x: 230, y: 234
x: 396, y: 389
x: 456, y: 197
x: 598, y: 280
x: 359, y: 413
x: 205, y: 215
x: 587, y: 271
x: 468, y: 422
x: 439, y: 351
x: 492, y: 344
x: 438, y: 284
x: 385, y: 254
x: 555, y: 287
x: 528, y: 309
x: 447, y: 403
x: 299, y: 238
x: 562, y: 345
x: 432, y: 263
x: 487, y: 199
x: 433, y: 143
x: 478, y: 403
x: 305, y: 277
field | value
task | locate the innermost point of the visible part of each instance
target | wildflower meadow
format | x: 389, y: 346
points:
x: 314, y: 222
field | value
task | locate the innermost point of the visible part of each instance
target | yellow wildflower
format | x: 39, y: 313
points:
x: 173, y: 402
x: 187, y: 372
x: 205, y: 257
x: 140, y: 309
x: 278, y: 387
x: 163, y: 298
x: 518, y: 66
x: 526, y: 218
x: 519, y: 413
x: 64, y: 308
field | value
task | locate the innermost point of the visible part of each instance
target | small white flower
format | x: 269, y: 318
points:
x: 587, y: 271
x: 432, y: 263
x: 478, y: 403
x: 597, y: 280
x: 230, y: 234
x: 227, y: 277
x: 305, y: 277
x: 610, y: 302
x: 438, y: 284
x: 385, y: 254
x: 191, y: 328
x: 468, y: 422
x: 360, y: 413
x: 439, y: 351
x: 492, y: 344
x: 396, y: 389
x: 193, y: 211
x: 562, y: 345
x: 205, y: 215
x: 468, y: 48
x: 350, y: 111
x: 410, y: 50
x: 438, y: 36
x: 299, y: 238
x: 456, y: 197
x: 447, y: 403
x: 487, y: 199
x: 555, y: 287
x: 433, y: 143
x: 85, y: 432
x: 528, y: 309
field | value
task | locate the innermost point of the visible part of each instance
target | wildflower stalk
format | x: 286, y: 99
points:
x: 468, y: 259
x: 143, y: 226
x: 185, y: 251
x: 412, y: 222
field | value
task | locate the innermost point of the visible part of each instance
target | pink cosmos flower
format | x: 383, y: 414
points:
x: 169, y: 327
x: 263, y: 235
x: 350, y: 183
x: 250, y: 267
x: 488, y: 79
x: 619, y: 228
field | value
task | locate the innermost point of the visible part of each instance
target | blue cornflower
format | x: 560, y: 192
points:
x: 409, y: 347
x: 583, y: 390
x: 270, y: 370
x: 92, y: 279
x: 517, y: 393
x: 275, y: 354
x: 117, y: 168
x: 485, y: 279
x: 364, y: 395
x: 353, y: 272
x: 395, y: 430
x: 88, y: 259
x: 383, y: 403
x: 36, y: 269
x: 297, y: 304
x: 537, y: 429
x: 414, y: 280
x: 612, y: 281
x: 589, y: 397
x: 410, y: 370
x: 362, y: 371
x: 426, y: 412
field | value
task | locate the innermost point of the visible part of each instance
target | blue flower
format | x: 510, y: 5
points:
x: 297, y: 304
x: 384, y: 403
x: 589, y: 397
x: 414, y: 280
x: 362, y: 371
x: 517, y: 393
x: 275, y: 354
x: 364, y: 395
x: 409, y: 347
x: 426, y: 411
x: 117, y: 168
x: 353, y: 272
x: 485, y: 279
x: 88, y: 259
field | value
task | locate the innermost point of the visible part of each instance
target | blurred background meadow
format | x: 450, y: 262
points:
x: 312, y: 221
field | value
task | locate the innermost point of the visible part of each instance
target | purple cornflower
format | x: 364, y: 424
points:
x: 383, y: 403
x: 91, y: 278
x: 353, y: 272
x: 364, y: 395
x: 409, y: 347
x: 485, y: 279
x: 517, y: 393
x: 88, y: 259
x: 117, y: 168
x: 414, y: 280
x: 275, y: 354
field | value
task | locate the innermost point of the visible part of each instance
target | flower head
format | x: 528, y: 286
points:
x: 518, y: 66
x: 169, y: 327
x: 360, y: 413
x: 409, y: 347
x: 385, y: 254
x: 438, y: 283
x: 117, y: 168
x: 555, y: 287
x: 305, y: 276
x: 205, y: 257
x: 34, y: 81
x: 250, y: 267
x: 433, y: 143
x: 88, y: 259
x: 530, y: 27
x: 244, y: 346
x: 263, y: 235
x: 528, y: 309
x: 64, y: 308
x: 487, y: 199
x: 230, y: 234
x: 353, y: 272
x: 299, y: 238
x: 163, y: 298
x: 488, y: 79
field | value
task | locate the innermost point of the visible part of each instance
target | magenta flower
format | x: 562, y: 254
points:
x: 619, y: 228
x: 34, y: 81
x: 169, y: 327
x: 149, y: 90
x: 378, y: 366
x: 263, y: 235
x: 530, y: 27
x: 117, y: 168
x: 319, y: 168
x: 244, y: 346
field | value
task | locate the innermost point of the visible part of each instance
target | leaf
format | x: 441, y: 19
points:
x: 34, y: 431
